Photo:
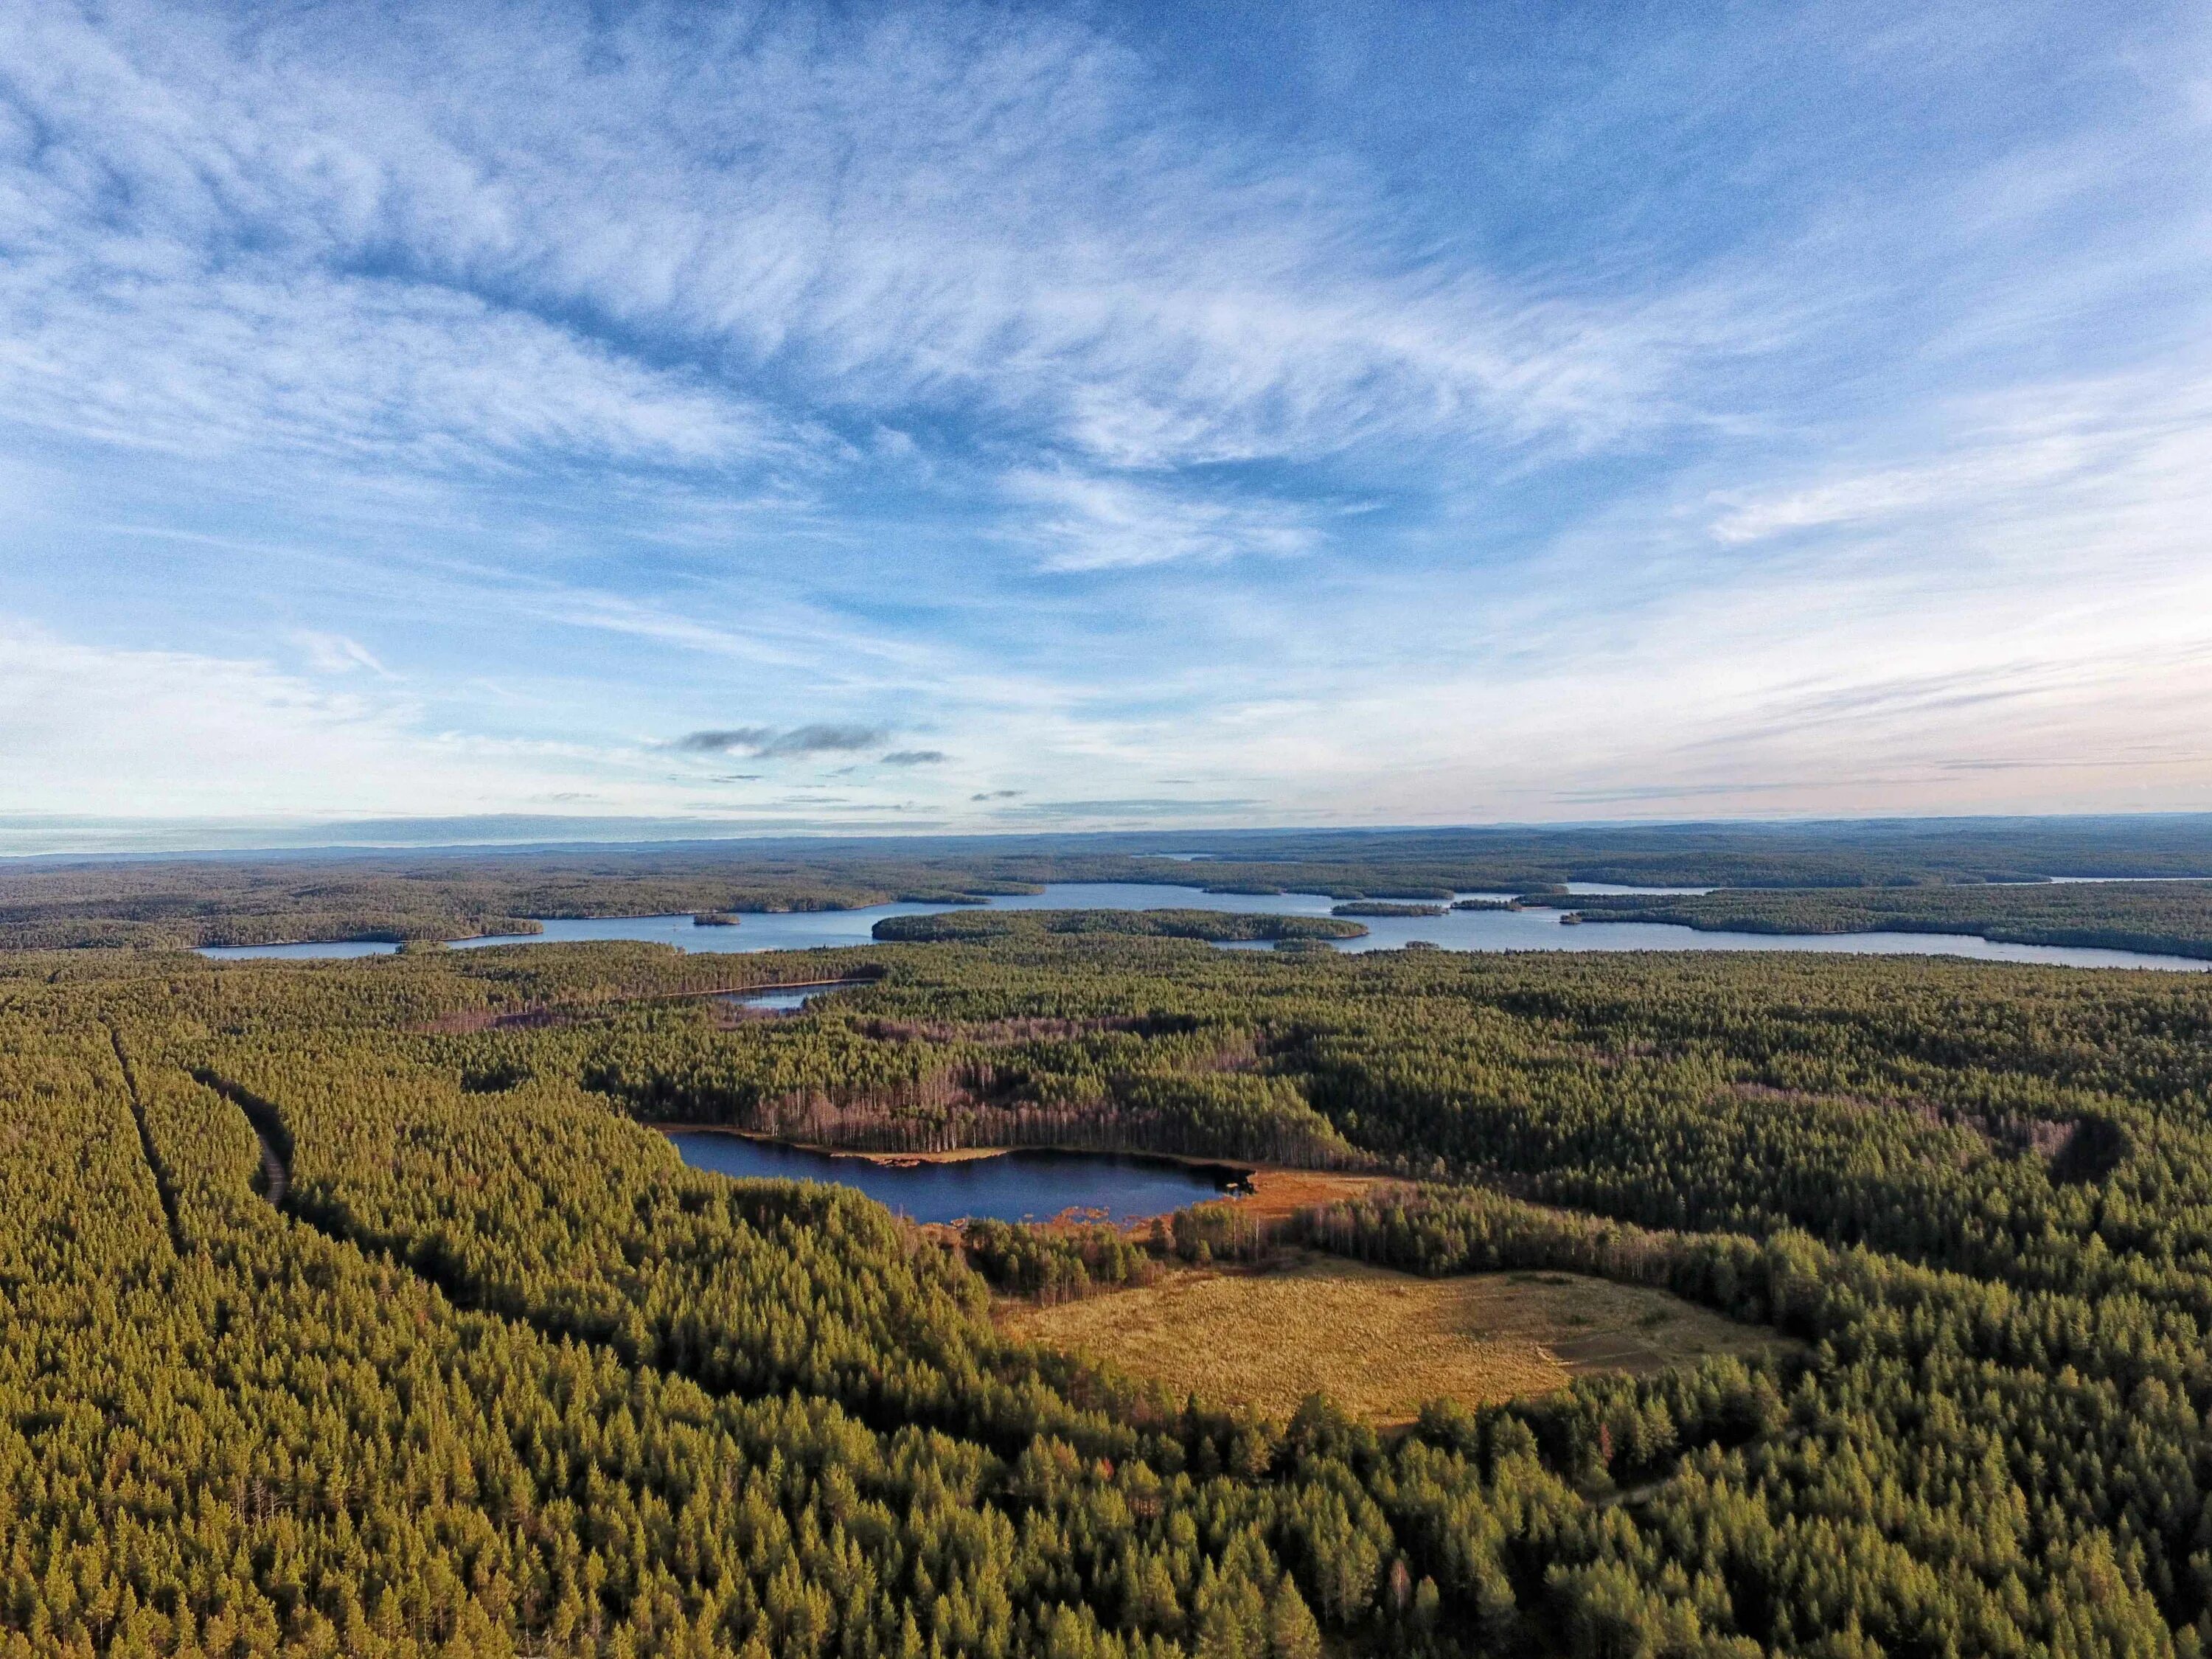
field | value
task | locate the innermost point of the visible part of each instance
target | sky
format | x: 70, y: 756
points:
x: 932, y: 417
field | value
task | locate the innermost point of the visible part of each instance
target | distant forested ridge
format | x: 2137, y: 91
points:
x: 501, y: 1376
x: 467, y: 893
x: 2173, y: 917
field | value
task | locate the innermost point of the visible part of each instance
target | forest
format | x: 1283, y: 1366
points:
x: 466, y: 893
x: 350, y: 1307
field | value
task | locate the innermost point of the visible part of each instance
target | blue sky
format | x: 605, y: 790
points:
x: 943, y: 417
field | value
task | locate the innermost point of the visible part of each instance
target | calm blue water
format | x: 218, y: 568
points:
x: 1022, y: 1185
x: 783, y: 1002
x: 799, y: 931
x: 1594, y: 888
x: 323, y: 948
x: 1457, y: 930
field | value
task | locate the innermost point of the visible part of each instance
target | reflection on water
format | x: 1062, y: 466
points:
x: 1535, y: 929
x: 1022, y: 1185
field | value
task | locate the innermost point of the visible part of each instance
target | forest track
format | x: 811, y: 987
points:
x: 268, y: 1130
x: 163, y: 1187
x: 470, y: 1295
x: 275, y: 1176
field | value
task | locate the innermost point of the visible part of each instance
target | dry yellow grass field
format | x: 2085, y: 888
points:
x: 1380, y: 1343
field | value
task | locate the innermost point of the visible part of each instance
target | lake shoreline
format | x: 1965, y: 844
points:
x: 1269, y: 1192
x: 956, y: 1154
x: 888, y: 1160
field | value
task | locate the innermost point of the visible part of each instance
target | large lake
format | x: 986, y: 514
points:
x: 1019, y: 1186
x: 1457, y: 929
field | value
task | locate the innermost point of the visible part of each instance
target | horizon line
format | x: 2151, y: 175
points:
x: 735, y: 834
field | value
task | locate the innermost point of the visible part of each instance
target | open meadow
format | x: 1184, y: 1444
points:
x: 1380, y: 1343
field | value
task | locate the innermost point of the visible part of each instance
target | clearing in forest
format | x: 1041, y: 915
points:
x: 1380, y: 1343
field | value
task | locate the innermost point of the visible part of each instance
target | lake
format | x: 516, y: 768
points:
x: 1016, y: 1185
x: 317, y: 948
x: 1457, y: 929
x: 788, y: 999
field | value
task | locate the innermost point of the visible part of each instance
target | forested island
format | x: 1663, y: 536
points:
x: 351, y: 1307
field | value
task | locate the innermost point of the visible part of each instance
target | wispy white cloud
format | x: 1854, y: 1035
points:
x: 364, y: 372
x: 2135, y: 438
x: 1090, y: 521
x: 404, y: 234
x: 334, y: 653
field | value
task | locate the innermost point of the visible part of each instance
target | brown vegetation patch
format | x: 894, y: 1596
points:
x: 1279, y: 1192
x: 1380, y: 1343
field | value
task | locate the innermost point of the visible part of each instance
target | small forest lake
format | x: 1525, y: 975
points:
x: 1013, y: 1186
x: 1533, y: 929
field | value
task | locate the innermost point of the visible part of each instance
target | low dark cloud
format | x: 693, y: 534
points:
x: 916, y: 758
x: 747, y: 738
x: 996, y: 794
x: 768, y: 742
x: 825, y: 740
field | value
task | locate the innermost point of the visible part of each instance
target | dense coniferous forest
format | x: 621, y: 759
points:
x: 351, y: 1308
x: 468, y: 893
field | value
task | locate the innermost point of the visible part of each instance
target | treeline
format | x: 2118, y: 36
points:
x: 1048, y: 1266
x: 2170, y: 917
x: 1051, y: 1265
x: 1838, y: 853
